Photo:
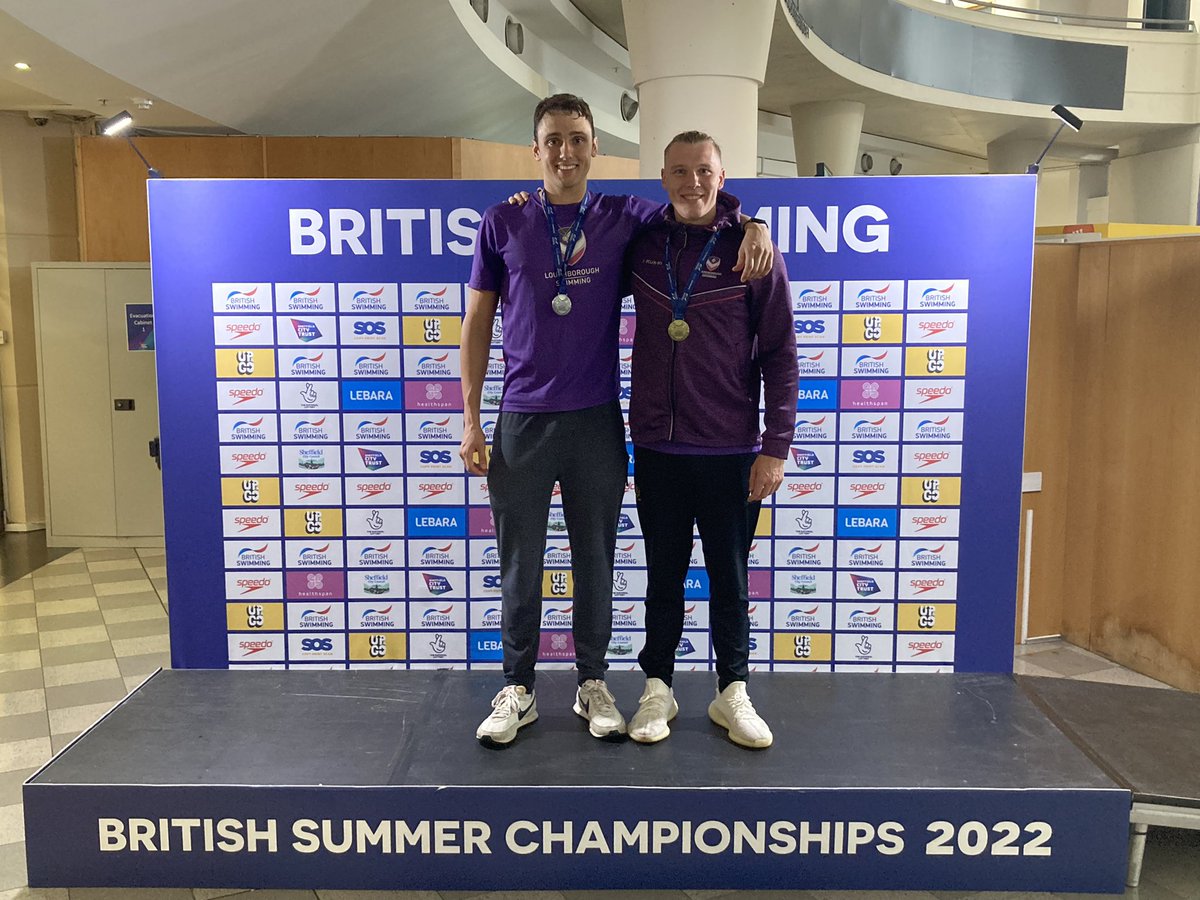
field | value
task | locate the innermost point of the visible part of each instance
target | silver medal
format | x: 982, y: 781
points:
x: 561, y: 304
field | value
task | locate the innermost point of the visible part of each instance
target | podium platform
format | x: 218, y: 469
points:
x: 373, y: 779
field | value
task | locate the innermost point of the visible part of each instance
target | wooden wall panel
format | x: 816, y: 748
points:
x: 358, y: 157
x: 487, y: 160
x: 1087, y: 434
x: 1047, y: 428
x: 112, y: 185
x: 1148, y: 527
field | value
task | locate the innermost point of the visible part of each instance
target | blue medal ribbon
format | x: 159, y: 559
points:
x: 679, y: 302
x: 560, y: 258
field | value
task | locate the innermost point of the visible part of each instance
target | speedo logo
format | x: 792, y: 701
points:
x: 248, y: 523
x: 250, y: 585
x: 247, y: 459
x: 923, y: 585
x: 924, y: 523
x: 243, y: 395
x: 930, y: 457
x: 920, y: 648
x: 928, y: 394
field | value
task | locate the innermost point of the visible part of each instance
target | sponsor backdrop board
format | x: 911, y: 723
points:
x: 317, y: 514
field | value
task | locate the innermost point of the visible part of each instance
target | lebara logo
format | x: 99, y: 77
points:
x: 306, y: 331
x: 864, y: 586
x: 437, y: 585
x: 372, y: 460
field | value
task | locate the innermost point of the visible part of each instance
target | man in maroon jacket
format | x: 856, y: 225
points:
x: 704, y: 347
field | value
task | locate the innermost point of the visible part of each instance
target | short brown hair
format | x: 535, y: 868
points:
x: 562, y: 103
x: 692, y: 137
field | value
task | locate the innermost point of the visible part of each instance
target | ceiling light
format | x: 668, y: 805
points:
x: 115, y: 124
x: 23, y: 66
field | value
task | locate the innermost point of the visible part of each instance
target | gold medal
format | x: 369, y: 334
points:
x: 678, y: 330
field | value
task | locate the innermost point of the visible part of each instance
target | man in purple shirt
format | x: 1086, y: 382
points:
x: 555, y: 266
x: 707, y: 345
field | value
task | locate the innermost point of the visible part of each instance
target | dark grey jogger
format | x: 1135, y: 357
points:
x: 584, y: 451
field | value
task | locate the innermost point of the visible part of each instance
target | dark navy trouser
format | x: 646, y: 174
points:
x: 584, y: 451
x: 675, y: 491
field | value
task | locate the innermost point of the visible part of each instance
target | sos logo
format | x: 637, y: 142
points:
x: 370, y: 328
x: 491, y: 582
x: 435, y: 457
x: 810, y: 326
x: 310, y: 645
x: 869, y: 456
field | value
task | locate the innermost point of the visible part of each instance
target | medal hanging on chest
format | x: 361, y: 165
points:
x: 561, y: 304
x: 679, y: 329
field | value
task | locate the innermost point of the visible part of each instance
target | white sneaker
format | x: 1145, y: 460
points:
x: 656, y: 708
x: 512, y: 708
x: 733, y: 711
x: 594, y: 702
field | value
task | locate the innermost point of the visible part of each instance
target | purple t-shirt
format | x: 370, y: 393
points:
x: 558, y: 363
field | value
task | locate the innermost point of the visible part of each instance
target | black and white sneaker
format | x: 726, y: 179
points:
x: 512, y: 709
x: 594, y: 702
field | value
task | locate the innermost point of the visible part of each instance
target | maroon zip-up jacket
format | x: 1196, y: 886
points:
x: 701, y: 395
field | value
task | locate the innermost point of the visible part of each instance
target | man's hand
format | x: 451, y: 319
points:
x: 756, y: 254
x: 520, y: 198
x: 766, y: 475
x: 473, y: 451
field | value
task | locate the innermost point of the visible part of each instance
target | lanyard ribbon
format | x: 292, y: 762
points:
x: 560, y: 258
x: 679, y: 302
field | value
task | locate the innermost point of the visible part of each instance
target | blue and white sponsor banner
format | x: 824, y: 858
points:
x: 312, y: 364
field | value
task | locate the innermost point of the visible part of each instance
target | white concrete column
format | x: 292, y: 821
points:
x: 698, y: 65
x: 827, y: 131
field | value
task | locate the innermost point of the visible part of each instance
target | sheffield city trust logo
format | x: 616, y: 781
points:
x: 305, y: 331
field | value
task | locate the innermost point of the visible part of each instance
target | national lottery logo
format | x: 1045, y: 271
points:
x: 305, y: 331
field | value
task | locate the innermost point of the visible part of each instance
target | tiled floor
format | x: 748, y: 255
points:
x: 78, y: 633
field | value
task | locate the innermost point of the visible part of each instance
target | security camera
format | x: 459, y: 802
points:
x: 39, y: 118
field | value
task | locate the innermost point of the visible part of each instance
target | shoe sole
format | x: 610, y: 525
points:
x: 718, y: 719
x: 505, y: 738
x: 614, y: 734
x: 655, y: 738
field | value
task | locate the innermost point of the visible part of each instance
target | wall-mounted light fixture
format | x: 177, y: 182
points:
x: 1068, y: 119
